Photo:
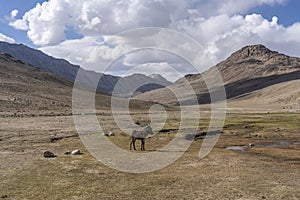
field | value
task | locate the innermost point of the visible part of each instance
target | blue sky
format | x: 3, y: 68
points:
x: 288, y: 13
x: 57, y: 27
x: 5, y: 8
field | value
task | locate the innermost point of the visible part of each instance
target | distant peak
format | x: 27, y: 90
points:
x: 136, y: 75
x: 155, y: 76
x: 252, y: 50
x: 258, y: 48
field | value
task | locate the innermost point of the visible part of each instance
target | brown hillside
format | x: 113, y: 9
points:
x: 250, y: 69
x: 28, y: 90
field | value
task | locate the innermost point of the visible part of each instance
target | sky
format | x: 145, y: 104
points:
x: 84, y: 32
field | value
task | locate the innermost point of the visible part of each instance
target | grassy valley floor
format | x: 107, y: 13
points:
x: 269, y: 169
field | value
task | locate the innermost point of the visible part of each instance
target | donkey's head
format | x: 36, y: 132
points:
x: 148, y: 130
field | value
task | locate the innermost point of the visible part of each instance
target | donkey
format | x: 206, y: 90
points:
x: 140, y: 135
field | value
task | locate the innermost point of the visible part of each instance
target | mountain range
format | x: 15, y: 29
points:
x: 253, y: 74
x: 69, y: 71
x: 28, y: 90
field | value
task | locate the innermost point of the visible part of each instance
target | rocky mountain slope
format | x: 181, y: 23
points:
x: 27, y: 89
x: 69, y: 71
x: 246, y: 74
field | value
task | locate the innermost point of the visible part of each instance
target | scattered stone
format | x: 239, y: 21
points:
x: 251, y: 145
x: 49, y: 154
x: 67, y: 152
x: 4, y: 196
x: 109, y: 134
x: 76, y: 152
x: 53, y: 139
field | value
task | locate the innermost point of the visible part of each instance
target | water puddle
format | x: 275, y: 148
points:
x: 237, y: 148
x: 278, y: 144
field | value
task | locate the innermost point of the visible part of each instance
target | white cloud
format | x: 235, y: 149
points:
x: 168, y: 70
x: 76, y: 51
x: 221, y: 35
x: 46, y: 23
x: 5, y: 38
x: 19, y: 25
x: 14, y: 13
x: 231, y: 7
x: 97, y: 55
x: 150, y: 56
x: 151, y: 61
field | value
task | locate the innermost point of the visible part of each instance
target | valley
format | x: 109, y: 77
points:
x: 256, y: 156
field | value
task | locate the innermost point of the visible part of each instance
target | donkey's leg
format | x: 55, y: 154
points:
x: 131, y: 139
x: 143, y: 144
x: 133, y: 142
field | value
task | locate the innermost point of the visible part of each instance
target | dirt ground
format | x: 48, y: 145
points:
x: 269, y: 169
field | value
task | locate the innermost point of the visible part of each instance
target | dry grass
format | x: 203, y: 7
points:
x: 223, y: 174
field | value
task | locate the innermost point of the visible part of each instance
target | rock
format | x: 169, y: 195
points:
x: 76, y: 152
x: 48, y: 154
x: 251, y: 145
x: 109, y: 134
x: 4, y: 196
x: 67, y: 152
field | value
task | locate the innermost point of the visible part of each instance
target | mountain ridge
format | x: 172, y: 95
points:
x: 26, y: 90
x: 67, y: 70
